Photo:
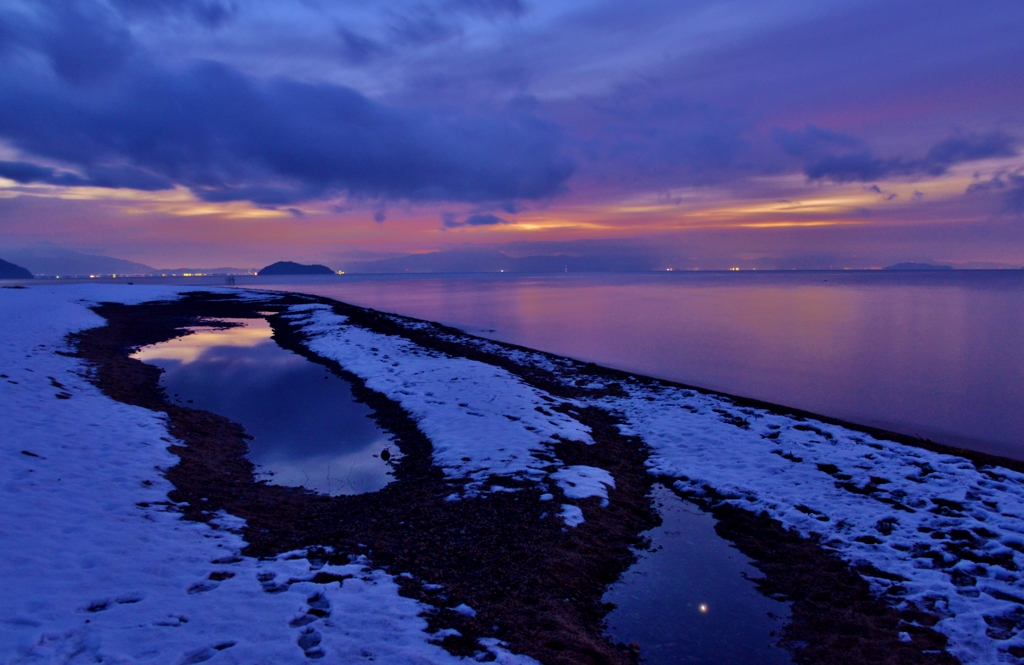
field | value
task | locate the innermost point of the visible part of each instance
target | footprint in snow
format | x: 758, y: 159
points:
x: 203, y: 655
x: 210, y: 583
x: 319, y: 608
x: 309, y: 642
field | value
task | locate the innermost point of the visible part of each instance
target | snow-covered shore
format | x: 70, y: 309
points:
x: 99, y: 565
x: 928, y: 530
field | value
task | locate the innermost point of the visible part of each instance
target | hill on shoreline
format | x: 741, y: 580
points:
x: 12, y: 271
x: 292, y: 268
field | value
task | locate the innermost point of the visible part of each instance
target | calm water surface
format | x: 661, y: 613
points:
x: 934, y: 354
x: 307, y: 428
x: 690, y: 599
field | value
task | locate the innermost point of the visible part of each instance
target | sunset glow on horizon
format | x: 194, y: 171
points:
x: 868, y: 133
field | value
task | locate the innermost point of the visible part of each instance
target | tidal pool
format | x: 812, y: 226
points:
x: 690, y: 598
x: 307, y: 429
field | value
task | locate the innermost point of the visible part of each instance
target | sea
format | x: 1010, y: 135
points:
x: 932, y: 354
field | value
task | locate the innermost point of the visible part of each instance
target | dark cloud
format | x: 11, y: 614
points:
x: 831, y: 156
x: 212, y: 13
x: 483, y: 220
x: 432, y: 23
x: 95, y: 176
x: 489, y: 8
x: 1014, y: 197
x: 84, y: 41
x: 814, y: 143
x: 357, y: 49
x: 644, y: 137
x: 451, y: 221
x: 1010, y: 187
x: 968, y: 149
x: 423, y: 28
x: 229, y: 137
x: 26, y: 173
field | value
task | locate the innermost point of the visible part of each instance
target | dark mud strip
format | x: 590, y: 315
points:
x: 534, y: 584
x: 835, y: 617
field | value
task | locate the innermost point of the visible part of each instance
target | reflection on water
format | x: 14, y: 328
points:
x: 935, y: 354
x: 307, y: 429
x: 689, y: 599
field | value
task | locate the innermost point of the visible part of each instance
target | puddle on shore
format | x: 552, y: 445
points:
x: 307, y: 428
x: 689, y: 600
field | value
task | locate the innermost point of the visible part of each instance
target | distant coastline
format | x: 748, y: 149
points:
x: 917, y: 266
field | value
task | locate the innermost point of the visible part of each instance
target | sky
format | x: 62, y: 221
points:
x: 684, y: 134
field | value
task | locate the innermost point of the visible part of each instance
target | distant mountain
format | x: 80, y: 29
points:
x: 494, y: 261
x: 917, y: 266
x: 291, y: 268
x: 67, y: 263
x: 11, y: 271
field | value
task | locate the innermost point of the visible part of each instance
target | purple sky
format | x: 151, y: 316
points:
x: 686, y: 134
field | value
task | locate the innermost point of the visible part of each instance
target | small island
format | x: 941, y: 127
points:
x: 292, y: 268
x: 11, y: 271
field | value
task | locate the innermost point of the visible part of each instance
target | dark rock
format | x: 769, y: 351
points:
x: 291, y: 268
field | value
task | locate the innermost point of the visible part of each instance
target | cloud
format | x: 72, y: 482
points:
x: 814, y: 143
x: 1013, y: 200
x: 95, y: 176
x: 227, y: 136
x: 451, y: 221
x: 83, y: 41
x: 840, y: 158
x: 1009, y: 185
x: 968, y: 149
x: 357, y: 49
x: 212, y: 13
x: 489, y: 8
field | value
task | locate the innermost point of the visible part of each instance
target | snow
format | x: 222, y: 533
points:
x: 954, y: 533
x: 571, y: 515
x: 481, y: 419
x: 581, y: 482
x: 950, y: 534
x: 100, y: 567
x: 465, y: 610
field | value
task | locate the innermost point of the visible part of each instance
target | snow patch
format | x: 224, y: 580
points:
x: 481, y: 419
x: 581, y: 482
x: 946, y: 536
x: 572, y: 515
x: 99, y: 566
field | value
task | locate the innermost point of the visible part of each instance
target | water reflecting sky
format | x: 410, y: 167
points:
x: 307, y: 429
x: 689, y: 600
x: 935, y: 354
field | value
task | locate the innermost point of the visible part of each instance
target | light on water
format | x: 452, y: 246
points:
x: 934, y: 354
x: 307, y: 428
x: 690, y: 598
